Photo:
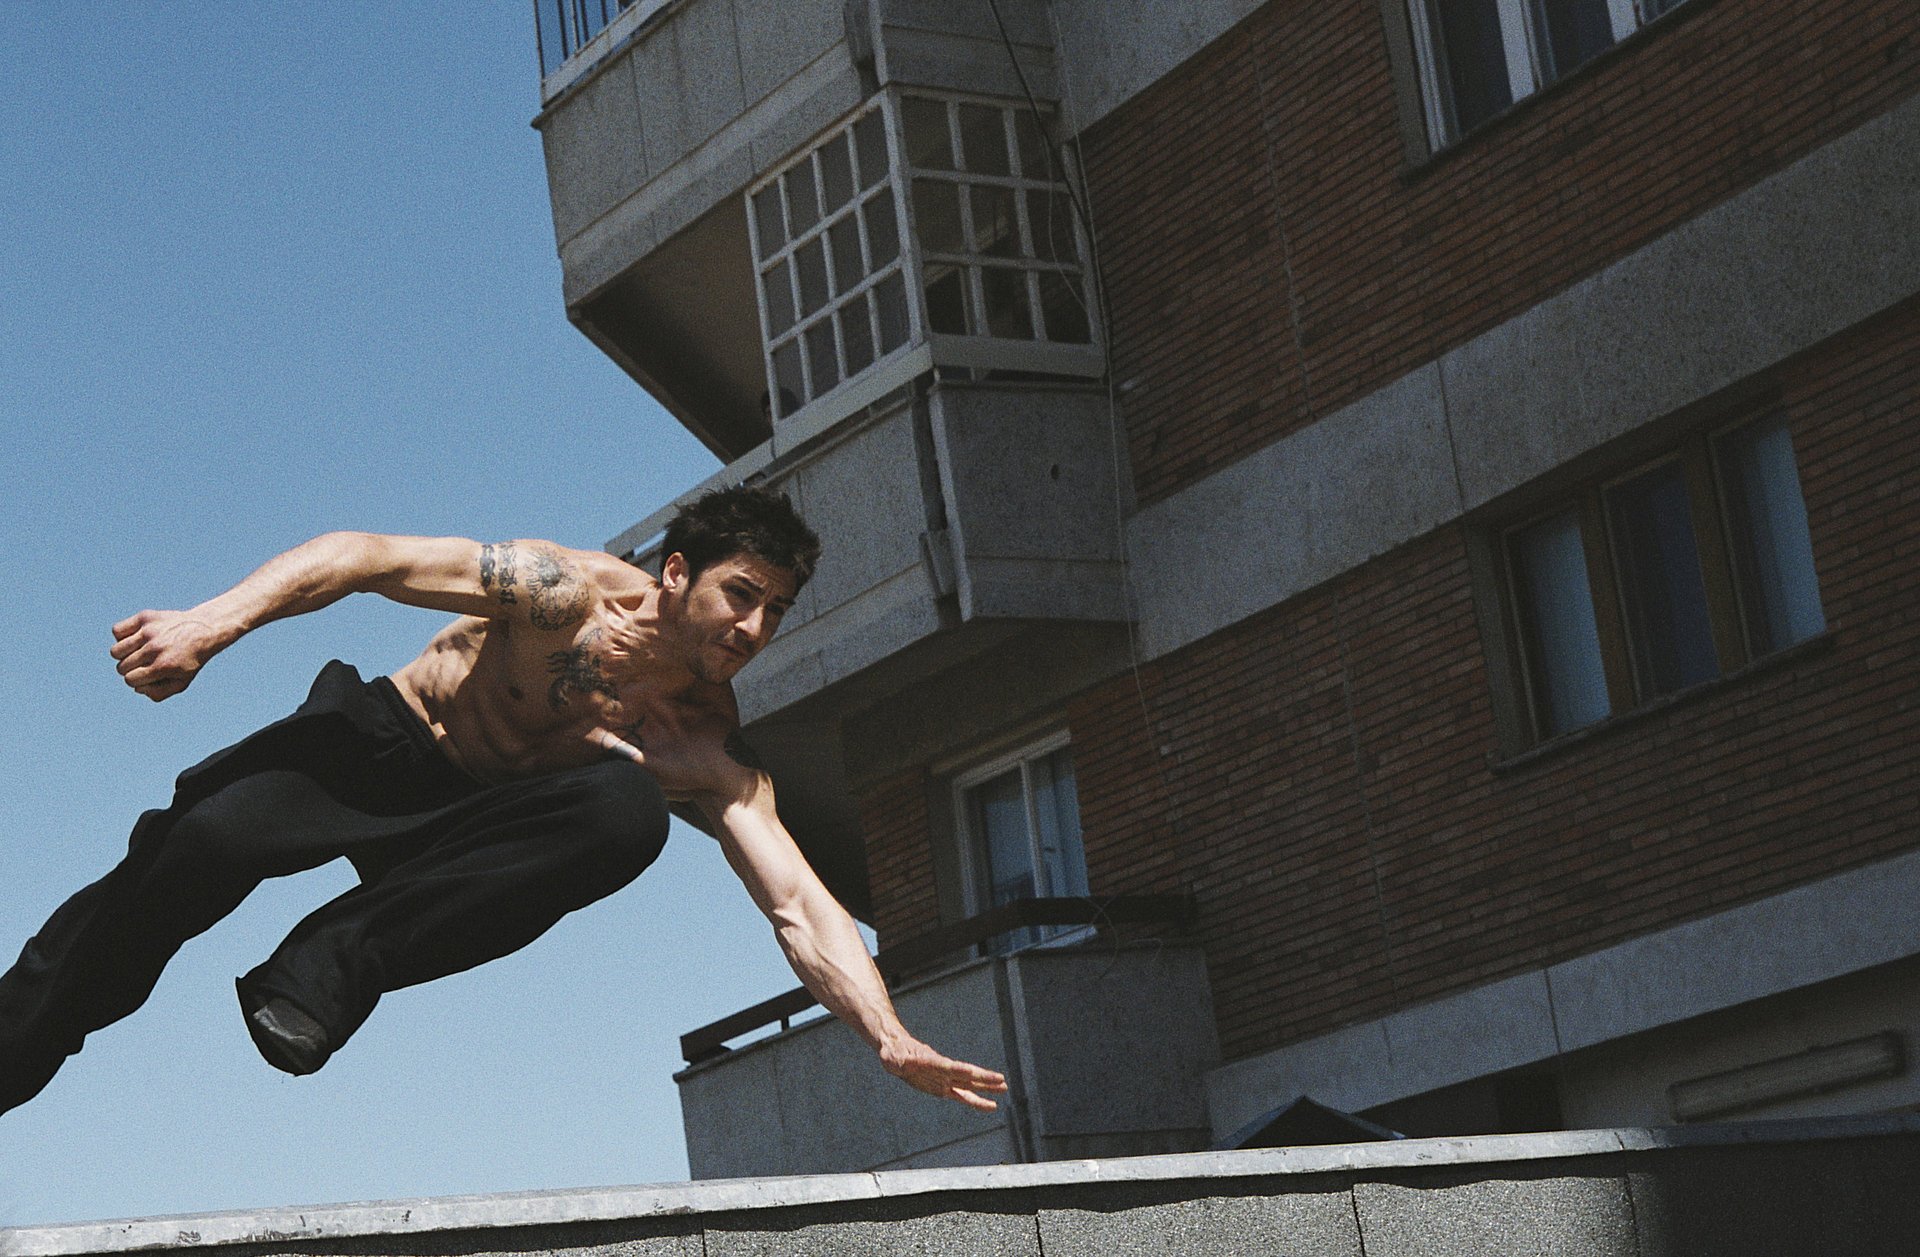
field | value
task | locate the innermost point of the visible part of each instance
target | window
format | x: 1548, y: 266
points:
x: 924, y: 230
x: 1020, y: 832
x: 1679, y: 572
x: 1479, y: 56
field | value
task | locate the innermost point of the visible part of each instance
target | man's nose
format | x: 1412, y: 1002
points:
x: 755, y: 623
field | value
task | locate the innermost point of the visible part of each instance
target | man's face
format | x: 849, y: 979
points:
x: 730, y: 612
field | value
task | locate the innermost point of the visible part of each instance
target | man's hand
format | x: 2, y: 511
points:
x: 926, y: 1070
x: 160, y: 652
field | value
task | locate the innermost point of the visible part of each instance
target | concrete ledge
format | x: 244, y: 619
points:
x: 740, y: 1200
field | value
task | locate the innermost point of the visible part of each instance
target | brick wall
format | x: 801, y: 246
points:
x: 1270, y: 258
x: 893, y: 820
x: 1320, y: 777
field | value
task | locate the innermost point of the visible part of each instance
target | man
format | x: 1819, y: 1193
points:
x: 517, y: 770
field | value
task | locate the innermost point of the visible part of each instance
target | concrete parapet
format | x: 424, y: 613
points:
x: 1839, y: 1185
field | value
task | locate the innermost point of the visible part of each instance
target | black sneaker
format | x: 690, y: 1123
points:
x: 290, y: 1040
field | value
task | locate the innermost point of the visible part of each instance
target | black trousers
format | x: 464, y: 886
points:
x: 453, y: 873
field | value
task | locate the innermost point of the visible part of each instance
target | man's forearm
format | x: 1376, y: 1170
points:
x: 830, y: 958
x: 306, y: 578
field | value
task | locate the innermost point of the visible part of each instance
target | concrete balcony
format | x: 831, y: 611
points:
x: 1104, y: 1048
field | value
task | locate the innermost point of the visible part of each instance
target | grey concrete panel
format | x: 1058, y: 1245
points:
x: 962, y: 63
x: 803, y: 107
x: 1042, y: 589
x: 606, y: 248
x: 1026, y: 22
x: 1534, y: 1217
x: 1119, y: 1039
x: 1028, y: 474
x: 953, y: 1234
x: 596, y: 150
x: 1298, y: 512
x: 681, y: 196
x: 1810, y: 251
x: 1111, y: 50
x: 1490, y: 1028
x: 1821, y: 930
x: 688, y: 76
x: 778, y: 41
x: 994, y: 1147
x: 730, y: 1112
x: 863, y: 496
x: 1317, y: 1223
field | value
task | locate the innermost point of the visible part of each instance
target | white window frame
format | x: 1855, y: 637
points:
x: 975, y: 894
x: 1521, y: 39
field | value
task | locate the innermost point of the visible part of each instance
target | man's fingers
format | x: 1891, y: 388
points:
x: 124, y: 644
x: 973, y: 1101
x: 131, y: 623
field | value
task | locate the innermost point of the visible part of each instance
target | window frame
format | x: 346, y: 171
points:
x: 1527, y: 53
x: 975, y: 894
x: 1513, y: 665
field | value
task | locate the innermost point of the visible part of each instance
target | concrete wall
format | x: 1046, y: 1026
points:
x: 1787, y: 1190
x: 1104, y: 1050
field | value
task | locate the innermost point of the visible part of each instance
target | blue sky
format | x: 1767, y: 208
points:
x: 266, y: 271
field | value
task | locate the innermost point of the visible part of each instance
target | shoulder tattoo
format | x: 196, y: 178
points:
x: 559, y: 595
x: 740, y: 753
x: 497, y: 572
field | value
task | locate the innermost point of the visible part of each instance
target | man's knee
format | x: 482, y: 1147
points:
x: 622, y: 812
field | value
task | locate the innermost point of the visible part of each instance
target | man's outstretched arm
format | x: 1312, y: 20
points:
x: 160, y: 652
x: 826, y: 951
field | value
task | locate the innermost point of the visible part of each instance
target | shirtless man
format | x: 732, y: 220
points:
x: 517, y: 770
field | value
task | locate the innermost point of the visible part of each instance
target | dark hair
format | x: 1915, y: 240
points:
x: 742, y: 520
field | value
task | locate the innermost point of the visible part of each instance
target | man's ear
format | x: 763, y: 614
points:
x: 673, y: 572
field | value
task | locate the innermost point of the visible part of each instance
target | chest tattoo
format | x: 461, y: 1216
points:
x: 578, y: 671
x: 559, y: 595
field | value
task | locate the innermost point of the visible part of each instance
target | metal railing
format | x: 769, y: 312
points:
x: 563, y: 27
x: 948, y: 942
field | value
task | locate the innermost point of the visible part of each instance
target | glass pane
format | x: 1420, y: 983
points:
x: 856, y: 332
x: 890, y: 303
x: 883, y: 235
x: 936, y: 215
x: 844, y: 236
x: 1065, y: 309
x: 870, y: 148
x: 1660, y: 581
x: 766, y: 215
x: 836, y: 174
x: 1000, y: 831
x: 1056, y: 808
x: 996, y: 223
x: 779, y: 298
x: 786, y: 370
x: 1555, y: 604
x: 1475, y: 59
x: 1036, y: 147
x: 803, y: 199
x: 1574, y: 31
x: 929, y: 138
x: 1050, y: 215
x: 823, y: 365
x: 811, y: 260
x: 1009, y: 315
x: 983, y: 140
x: 947, y: 300
x: 1773, y: 551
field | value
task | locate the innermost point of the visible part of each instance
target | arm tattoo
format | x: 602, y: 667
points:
x: 578, y: 670
x: 742, y: 754
x: 559, y: 595
x: 497, y: 571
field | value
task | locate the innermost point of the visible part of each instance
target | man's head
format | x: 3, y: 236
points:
x: 735, y: 560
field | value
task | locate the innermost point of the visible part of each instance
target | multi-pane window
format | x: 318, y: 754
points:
x: 1680, y: 572
x: 1479, y: 56
x: 1020, y: 829
x: 923, y: 223
x: 826, y: 237
x: 1000, y: 254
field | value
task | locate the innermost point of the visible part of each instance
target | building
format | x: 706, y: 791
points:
x: 1405, y: 510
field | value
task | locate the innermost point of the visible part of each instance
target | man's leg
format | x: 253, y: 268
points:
x: 501, y: 868
x: 98, y: 957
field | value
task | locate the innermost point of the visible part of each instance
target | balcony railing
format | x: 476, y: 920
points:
x: 950, y: 942
x: 563, y: 28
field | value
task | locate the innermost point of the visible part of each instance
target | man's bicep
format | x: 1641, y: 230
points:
x: 762, y: 854
x: 537, y: 581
